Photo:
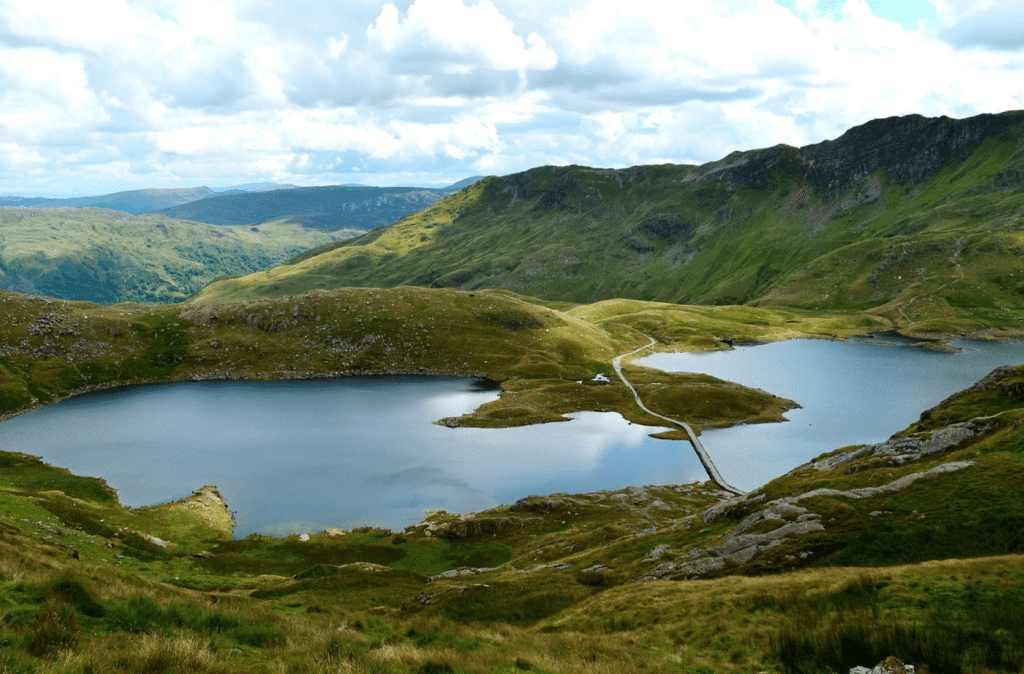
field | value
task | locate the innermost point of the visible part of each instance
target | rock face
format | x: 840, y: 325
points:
x: 208, y: 505
x: 890, y: 665
x: 757, y: 532
x: 911, y: 448
x: 910, y: 148
x: 739, y: 547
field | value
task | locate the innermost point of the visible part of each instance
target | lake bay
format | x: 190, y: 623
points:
x: 856, y: 392
x: 294, y: 456
x: 305, y: 455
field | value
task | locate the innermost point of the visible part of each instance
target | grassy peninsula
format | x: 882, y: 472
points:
x: 544, y: 356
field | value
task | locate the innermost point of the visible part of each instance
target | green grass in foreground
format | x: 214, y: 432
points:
x: 546, y: 584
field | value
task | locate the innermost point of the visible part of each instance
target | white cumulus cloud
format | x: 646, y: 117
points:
x: 142, y: 93
x: 456, y: 37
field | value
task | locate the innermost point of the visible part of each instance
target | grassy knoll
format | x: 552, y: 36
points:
x: 109, y: 256
x: 547, y: 360
x: 550, y: 583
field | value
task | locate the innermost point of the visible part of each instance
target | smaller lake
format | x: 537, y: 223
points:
x: 857, y: 392
x: 294, y: 456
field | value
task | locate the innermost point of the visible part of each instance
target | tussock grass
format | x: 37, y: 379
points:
x: 155, y: 654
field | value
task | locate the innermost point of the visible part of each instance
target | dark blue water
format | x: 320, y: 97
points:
x: 293, y: 456
x: 850, y: 393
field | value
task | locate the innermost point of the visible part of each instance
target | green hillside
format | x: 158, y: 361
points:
x: 109, y: 257
x: 542, y: 357
x: 914, y: 219
x: 911, y: 548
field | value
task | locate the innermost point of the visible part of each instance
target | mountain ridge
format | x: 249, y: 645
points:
x: 134, y: 202
x: 327, y: 208
x: 922, y: 231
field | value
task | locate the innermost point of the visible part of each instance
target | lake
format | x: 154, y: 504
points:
x: 301, y: 456
x: 857, y: 392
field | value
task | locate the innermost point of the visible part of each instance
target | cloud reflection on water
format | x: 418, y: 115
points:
x: 302, y: 456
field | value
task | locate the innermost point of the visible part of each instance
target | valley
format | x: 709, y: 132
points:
x: 110, y: 257
x: 539, y: 283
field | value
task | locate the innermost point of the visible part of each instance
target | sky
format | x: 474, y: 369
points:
x: 110, y: 95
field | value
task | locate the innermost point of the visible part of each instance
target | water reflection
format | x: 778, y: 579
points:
x: 850, y: 392
x: 293, y: 456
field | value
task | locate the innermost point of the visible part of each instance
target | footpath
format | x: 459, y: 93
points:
x: 702, y: 453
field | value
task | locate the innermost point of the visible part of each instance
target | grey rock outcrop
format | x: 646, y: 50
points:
x: 890, y: 665
x: 910, y: 448
x: 738, y: 546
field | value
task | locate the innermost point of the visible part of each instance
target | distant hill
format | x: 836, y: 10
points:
x: 253, y: 187
x: 133, y: 201
x: 327, y: 208
x: 108, y: 256
x: 917, y: 219
x: 462, y: 184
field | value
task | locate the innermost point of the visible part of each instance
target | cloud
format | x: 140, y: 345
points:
x: 993, y: 25
x: 455, y: 38
x: 231, y: 91
x: 45, y: 96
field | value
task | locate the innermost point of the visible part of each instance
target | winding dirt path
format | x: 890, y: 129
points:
x: 702, y: 453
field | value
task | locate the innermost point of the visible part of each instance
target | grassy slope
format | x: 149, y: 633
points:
x: 109, y: 257
x: 924, y: 255
x: 543, y: 357
x: 546, y: 584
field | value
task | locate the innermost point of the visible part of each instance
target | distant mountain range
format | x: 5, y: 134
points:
x: 920, y: 220
x: 105, y: 249
x: 326, y: 208
x: 132, y: 201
